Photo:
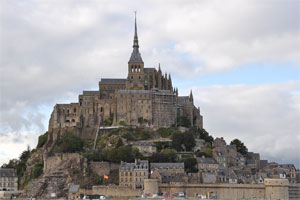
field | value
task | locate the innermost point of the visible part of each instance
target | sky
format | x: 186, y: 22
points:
x: 240, y: 58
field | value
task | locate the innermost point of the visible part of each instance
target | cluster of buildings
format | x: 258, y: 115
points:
x: 225, y: 166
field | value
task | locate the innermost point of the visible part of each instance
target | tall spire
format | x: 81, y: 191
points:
x: 135, y: 40
x: 135, y: 55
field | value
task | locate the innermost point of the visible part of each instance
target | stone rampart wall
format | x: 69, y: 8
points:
x: 222, y: 191
x: 116, y: 191
x: 102, y: 168
x: 54, y: 162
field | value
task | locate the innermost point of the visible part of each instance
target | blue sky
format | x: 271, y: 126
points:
x: 240, y: 58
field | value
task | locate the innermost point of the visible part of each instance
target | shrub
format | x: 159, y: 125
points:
x: 122, y: 123
x: 36, y: 171
x: 42, y: 140
x: 70, y: 143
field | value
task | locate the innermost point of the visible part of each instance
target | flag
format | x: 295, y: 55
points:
x: 105, y: 176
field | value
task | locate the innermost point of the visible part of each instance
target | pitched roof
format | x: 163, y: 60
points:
x: 7, y: 172
x: 140, y: 164
x: 141, y: 143
x: 149, y: 70
x: 167, y: 165
x: 112, y: 81
x: 206, y: 160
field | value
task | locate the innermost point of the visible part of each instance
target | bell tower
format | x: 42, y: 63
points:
x: 136, y: 75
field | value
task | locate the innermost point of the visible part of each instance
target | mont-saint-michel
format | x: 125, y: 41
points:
x: 135, y: 137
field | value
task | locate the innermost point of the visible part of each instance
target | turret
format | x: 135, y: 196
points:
x: 191, y: 97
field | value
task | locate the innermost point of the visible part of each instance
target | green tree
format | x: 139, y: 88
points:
x: 207, y: 151
x: 182, y: 141
x: 42, y: 140
x: 188, y: 141
x: 177, y: 141
x: 241, y: 148
x: 203, y: 134
x: 119, y: 143
x: 190, y: 164
x: 163, y: 157
x: 183, y: 121
x: 70, y: 143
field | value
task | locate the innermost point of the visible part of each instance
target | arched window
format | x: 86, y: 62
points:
x: 135, y: 68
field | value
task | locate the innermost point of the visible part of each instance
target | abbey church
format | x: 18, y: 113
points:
x: 146, y: 97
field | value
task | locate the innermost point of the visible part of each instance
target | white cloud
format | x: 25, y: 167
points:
x: 265, y: 117
x: 52, y: 50
x: 14, y: 143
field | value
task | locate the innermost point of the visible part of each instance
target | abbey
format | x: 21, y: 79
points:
x: 146, y: 97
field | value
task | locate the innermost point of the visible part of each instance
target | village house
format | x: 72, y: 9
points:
x: 133, y: 174
x: 226, y: 175
x: 146, y: 148
x: 8, y: 179
x: 207, y: 165
x: 168, y: 172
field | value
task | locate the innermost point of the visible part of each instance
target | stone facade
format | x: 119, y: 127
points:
x: 146, y: 97
x: 133, y: 174
x: 8, y: 180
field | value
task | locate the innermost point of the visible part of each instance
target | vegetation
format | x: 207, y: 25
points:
x: 167, y: 132
x: 190, y: 164
x: 108, y: 121
x: 203, y: 134
x: 70, y: 143
x: 162, y: 145
x: 163, y: 157
x: 241, y: 148
x: 183, y: 121
x: 183, y: 141
x: 42, y: 140
x: 207, y: 151
x: 122, y: 123
x: 19, y: 164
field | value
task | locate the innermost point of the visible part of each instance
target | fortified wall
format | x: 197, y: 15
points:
x: 279, y: 189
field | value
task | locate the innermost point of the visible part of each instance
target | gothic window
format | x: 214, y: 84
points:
x: 135, y: 68
x: 139, y: 77
x: 74, y: 110
x: 131, y: 77
x: 139, y: 69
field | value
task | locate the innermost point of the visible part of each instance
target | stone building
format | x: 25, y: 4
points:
x: 147, y: 96
x: 146, y: 148
x: 133, y: 174
x: 8, y: 179
x: 168, y: 172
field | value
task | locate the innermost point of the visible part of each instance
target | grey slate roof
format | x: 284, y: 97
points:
x: 149, y: 70
x: 7, y: 172
x: 206, y: 160
x: 140, y: 143
x: 112, y: 81
x: 141, y: 164
x: 167, y: 165
x: 135, y: 56
x: 74, y: 188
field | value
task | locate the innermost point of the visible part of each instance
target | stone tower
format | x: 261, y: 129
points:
x: 136, y: 75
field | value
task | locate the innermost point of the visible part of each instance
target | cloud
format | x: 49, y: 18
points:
x: 15, y: 143
x: 265, y: 117
x: 52, y: 50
